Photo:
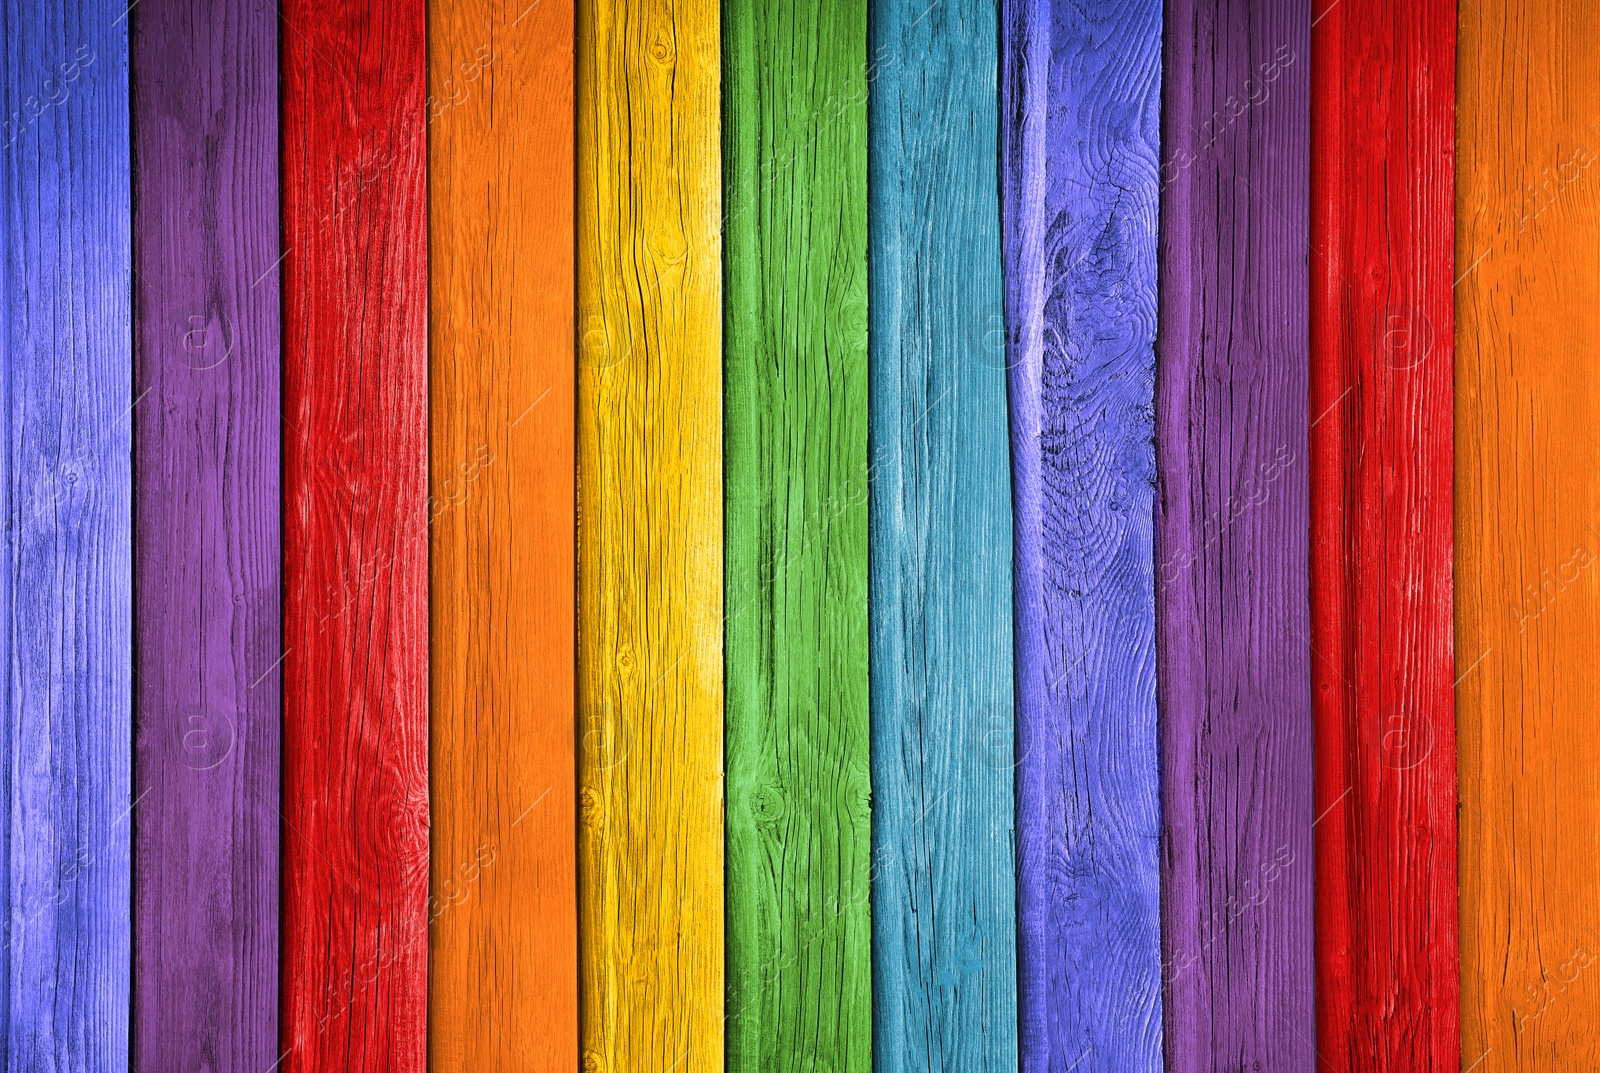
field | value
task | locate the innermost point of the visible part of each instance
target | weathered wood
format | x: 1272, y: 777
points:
x: 795, y: 323
x: 944, y: 882
x: 355, y: 457
x: 650, y: 657
x: 503, y: 974
x: 1528, y: 477
x: 1382, y: 353
x: 1233, y: 632
x: 65, y: 592
x: 1081, y: 97
x: 208, y: 593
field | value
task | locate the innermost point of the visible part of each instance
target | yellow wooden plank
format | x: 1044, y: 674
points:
x: 650, y: 536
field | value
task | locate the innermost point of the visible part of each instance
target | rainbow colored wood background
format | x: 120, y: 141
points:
x: 1012, y: 535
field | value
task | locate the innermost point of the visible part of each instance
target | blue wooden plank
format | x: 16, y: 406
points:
x: 944, y: 883
x: 1082, y: 103
x: 65, y: 488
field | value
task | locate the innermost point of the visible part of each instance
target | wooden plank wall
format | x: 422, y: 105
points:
x: 1382, y: 376
x: 1233, y: 629
x: 795, y: 324
x: 355, y: 681
x: 1081, y: 99
x: 944, y: 885
x: 503, y: 912
x: 65, y: 592
x: 650, y: 671
x: 1527, y: 500
x: 207, y: 588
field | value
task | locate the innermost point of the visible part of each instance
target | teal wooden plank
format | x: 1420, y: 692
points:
x: 944, y: 880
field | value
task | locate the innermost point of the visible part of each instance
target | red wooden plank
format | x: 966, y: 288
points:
x: 355, y: 748
x: 1382, y: 355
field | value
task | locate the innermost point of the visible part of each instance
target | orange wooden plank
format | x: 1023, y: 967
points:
x: 503, y: 974
x: 1527, y: 499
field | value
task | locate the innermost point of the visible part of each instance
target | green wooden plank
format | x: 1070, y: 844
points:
x: 795, y: 293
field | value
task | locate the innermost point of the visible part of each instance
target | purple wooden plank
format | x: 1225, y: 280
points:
x: 65, y: 490
x: 1232, y: 548
x: 1081, y: 95
x: 205, y: 101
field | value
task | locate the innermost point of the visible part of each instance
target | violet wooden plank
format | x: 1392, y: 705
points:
x: 205, y: 101
x: 1233, y: 635
x: 65, y: 591
x: 939, y: 515
x: 1082, y: 105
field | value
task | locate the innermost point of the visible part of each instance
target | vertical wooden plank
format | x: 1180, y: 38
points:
x: 504, y: 972
x: 798, y: 766
x: 1081, y: 97
x: 355, y: 681
x: 1382, y: 379
x: 209, y: 643
x: 944, y: 881
x: 1233, y: 632
x: 650, y: 845
x: 1528, y: 495
x: 66, y: 591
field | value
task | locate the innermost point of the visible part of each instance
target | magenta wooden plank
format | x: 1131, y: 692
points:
x: 1232, y: 550
x: 65, y: 493
x: 207, y: 593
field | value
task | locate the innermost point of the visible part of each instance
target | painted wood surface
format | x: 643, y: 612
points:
x: 1527, y: 492
x: 799, y: 835
x: 650, y: 599
x: 208, y: 596
x: 1233, y: 632
x: 943, y: 877
x: 355, y: 456
x: 1382, y: 376
x: 1081, y: 98
x: 66, y: 330
x: 504, y: 968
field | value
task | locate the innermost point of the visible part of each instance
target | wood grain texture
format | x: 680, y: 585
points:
x: 650, y: 600
x: 1232, y: 538
x: 795, y: 321
x: 207, y: 584
x: 65, y: 592
x: 504, y: 969
x: 355, y: 457
x: 944, y: 894
x: 1382, y: 379
x: 1527, y: 499
x: 1081, y: 98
